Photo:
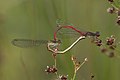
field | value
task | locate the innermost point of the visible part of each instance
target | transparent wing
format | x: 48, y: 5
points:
x: 66, y: 32
x: 25, y: 43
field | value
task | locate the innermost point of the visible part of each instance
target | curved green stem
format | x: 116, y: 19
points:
x: 74, y: 76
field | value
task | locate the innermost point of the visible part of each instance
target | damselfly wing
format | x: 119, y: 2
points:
x: 25, y: 43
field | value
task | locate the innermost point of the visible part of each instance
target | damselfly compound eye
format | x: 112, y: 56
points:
x: 97, y: 33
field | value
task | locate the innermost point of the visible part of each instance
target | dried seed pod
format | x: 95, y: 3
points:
x: 104, y: 50
x: 98, y: 42
x: 73, y: 58
x: 111, y: 54
x: 63, y: 77
x: 118, y: 18
x: 110, y: 40
x: 52, y: 69
x: 118, y: 21
x: 111, y: 10
x: 75, y: 62
x: 86, y: 59
x: 77, y: 65
x: 92, y: 76
x: 118, y: 12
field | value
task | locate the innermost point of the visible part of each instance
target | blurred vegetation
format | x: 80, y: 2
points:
x: 35, y: 19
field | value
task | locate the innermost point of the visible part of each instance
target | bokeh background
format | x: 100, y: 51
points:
x: 36, y: 19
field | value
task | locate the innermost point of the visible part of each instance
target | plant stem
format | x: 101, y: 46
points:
x: 74, y: 75
x: 115, y: 5
x: 55, y: 62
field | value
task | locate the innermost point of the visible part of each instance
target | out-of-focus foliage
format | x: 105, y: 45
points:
x: 35, y: 19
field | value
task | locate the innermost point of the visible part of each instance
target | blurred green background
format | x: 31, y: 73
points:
x: 36, y: 19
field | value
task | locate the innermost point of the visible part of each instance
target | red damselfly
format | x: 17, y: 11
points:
x: 62, y: 29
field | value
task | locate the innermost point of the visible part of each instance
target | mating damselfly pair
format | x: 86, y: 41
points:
x: 66, y: 30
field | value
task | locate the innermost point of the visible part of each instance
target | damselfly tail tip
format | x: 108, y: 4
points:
x: 13, y: 41
x: 18, y: 43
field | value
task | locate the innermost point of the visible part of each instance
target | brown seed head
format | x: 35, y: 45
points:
x: 111, y: 10
x: 110, y: 40
x: 118, y: 20
x: 111, y: 54
x: 98, y: 42
x: 63, y: 77
x: 73, y: 58
x: 52, y: 69
x: 92, y: 76
x: 103, y: 50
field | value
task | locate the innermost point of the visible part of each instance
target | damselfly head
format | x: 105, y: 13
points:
x: 97, y: 33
